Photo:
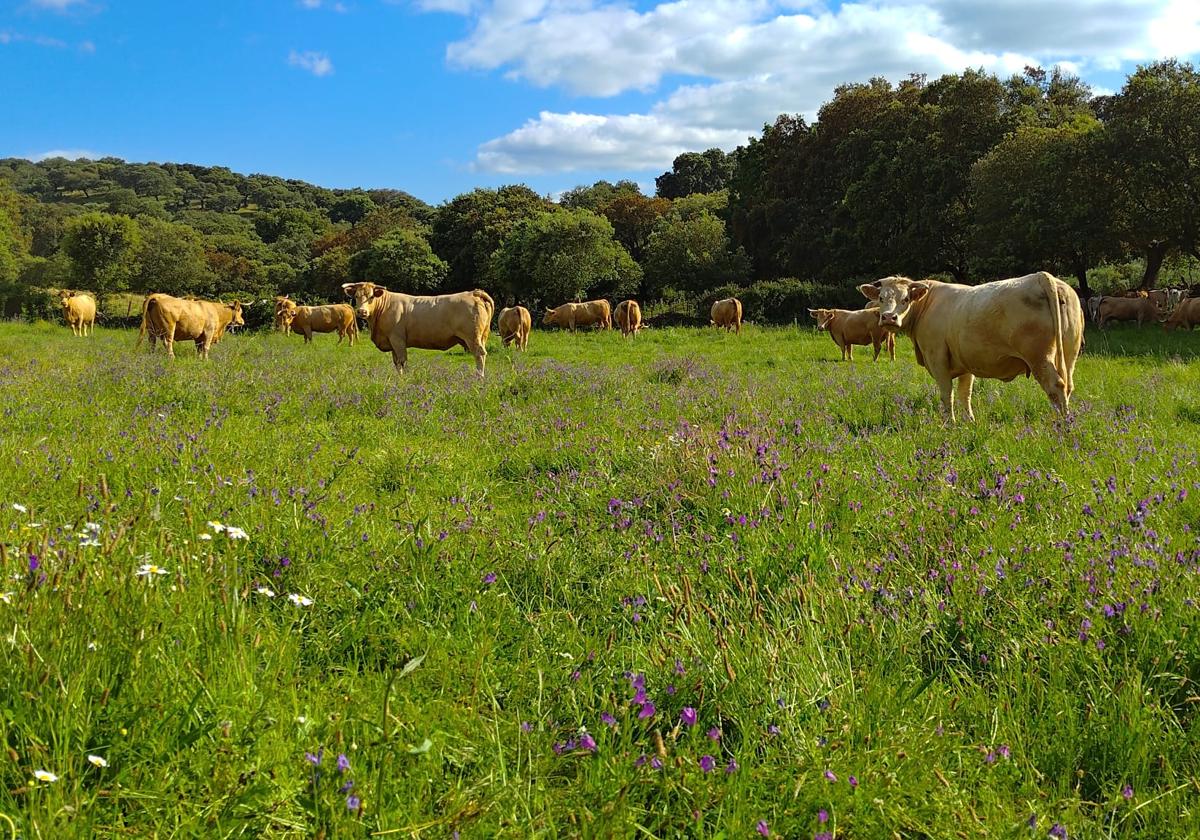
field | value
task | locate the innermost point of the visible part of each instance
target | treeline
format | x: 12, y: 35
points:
x: 969, y: 177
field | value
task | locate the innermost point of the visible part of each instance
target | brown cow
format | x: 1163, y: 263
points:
x: 572, y: 315
x: 1186, y: 314
x: 425, y: 322
x: 1140, y: 309
x: 281, y: 306
x: 629, y: 317
x: 306, y: 320
x: 1031, y: 325
x: 727, y: 313
x: 79, y: 310
x: 848, y: 327
x: 515, y: 323
x: 202, y: 321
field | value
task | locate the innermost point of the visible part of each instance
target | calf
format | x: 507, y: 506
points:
x: 848, y: 327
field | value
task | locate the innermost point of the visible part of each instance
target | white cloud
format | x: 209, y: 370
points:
x: 314, y: 62
x: 37, y: 40
x: 316, y: 4
x: 69, y: 154
x: 747, y: 61
x: 57, y: 5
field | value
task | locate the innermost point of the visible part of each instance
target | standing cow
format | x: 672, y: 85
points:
x: 727, y: 313
x: 1031, y: 325
x: 514, y: 324
x: 848, y: 327
x: 572, y: 315
x: 629, y: 317
x: 425, y: 322
x: 306, y: 320
x: 1140, y: 309
x: 171, y: 318
x: 79, y: 310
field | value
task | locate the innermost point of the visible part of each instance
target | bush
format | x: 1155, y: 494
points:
x: 29, y: 304
x: 783, y: 301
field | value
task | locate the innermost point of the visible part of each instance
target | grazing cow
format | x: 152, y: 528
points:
x: 1186, y: 315
x: 859, y: 326
x: 172, y: 318
x: 306, y: 320
x: 515, y: 323
x: 629, y: 317
x: 727, y: 313
x: 1140, y: 309
x: 572, y: 315
x: 1093, y: 307
x: 79, y: 310
x: 1031, y: 325
x: 424, y: 322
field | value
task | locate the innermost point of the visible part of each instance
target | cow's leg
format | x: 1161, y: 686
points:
x: 1047, y: 376
x: 399, y: 357
x: 875, y: 343
x: 479, y: 351
x: 169, y: 341
x: 891, y: 345
x: 849, y: 352
x: 308, y: 335
x: 965, y: 382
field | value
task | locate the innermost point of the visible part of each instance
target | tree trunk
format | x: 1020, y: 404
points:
x: 1081, y: 268
x: 1156, y: 252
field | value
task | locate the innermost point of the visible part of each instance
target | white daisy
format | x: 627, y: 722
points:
x: 44, y: 776
x: 300, y: 600
x: 236, y: 533
x: 265, y: 590
x: 20, y: 508
x: 97, y: 761
x: 150, y: 569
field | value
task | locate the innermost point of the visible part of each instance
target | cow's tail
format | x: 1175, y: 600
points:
x: 145, y: 321
x: 1060, y: 354
x: 490, y: 305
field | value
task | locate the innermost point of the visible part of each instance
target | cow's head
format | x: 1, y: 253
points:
x: 285, y: 313
x: 548, y: 318
x: 364, y: 296
x: 236, y: 320
x: 824, y: 317
x: 895, y: 296
x: 64, y: 296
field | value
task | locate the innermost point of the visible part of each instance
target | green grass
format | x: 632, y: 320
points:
x: 797, y: 548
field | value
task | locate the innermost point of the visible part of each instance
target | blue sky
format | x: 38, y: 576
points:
x: 438, y: 96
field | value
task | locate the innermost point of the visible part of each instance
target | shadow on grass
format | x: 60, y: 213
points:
x: 1141, y: 342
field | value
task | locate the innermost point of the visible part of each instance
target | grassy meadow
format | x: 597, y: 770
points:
x: 693, y: 585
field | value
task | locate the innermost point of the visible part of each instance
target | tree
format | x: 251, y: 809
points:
x: 401, y: 260
x: 696, y: 172
x: 1151, y: 127
x: 691, y: 255
x: 172, y: 260
x: 305, y: 225
x: 633, y: 217
x: 598, y: 194
x: 564, y: 255
x: 469, y: 229
x: 352, y: 208
x: 103, y: 249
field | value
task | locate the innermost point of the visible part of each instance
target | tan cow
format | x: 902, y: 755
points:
x: 629, y: 317
x: 171, y: 318
x: 1031, y: 325
x: 79, y: 310
x: 848, y: 327
x: 1186, y: 315
x: 515, y: 323
x: 1140, y: 309
x: 727, y: 313
x: 572, y: 315
x: 306, y: 320
x: 424, y: 322
x: 281, y: 306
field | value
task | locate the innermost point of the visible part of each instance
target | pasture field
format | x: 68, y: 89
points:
x: 692, y: 585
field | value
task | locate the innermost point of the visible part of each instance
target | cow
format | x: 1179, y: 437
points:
x: 79, y: 310
x: 424, y: 322
x: 306, y: 320
x: 1031, y: 325
x: 514, y: 325
x: 1186, y: 315
x: 1093, y: 307
x: 572, y: 315
x: 1140, y: 309
x: 727, y: 313
x: 282, y: 304
x: 171, y: 318
x: 629, y: 317
x: 1175, y: 297
x: 858, y: 326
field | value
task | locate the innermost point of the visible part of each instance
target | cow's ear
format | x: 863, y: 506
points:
x: 379, y: 290
x: 870, y: 290
x: 348, y: 288
x: 917, y: 290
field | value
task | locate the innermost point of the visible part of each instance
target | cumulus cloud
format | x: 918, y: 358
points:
x: 316, y: 63
x: 746, y: 61
x: 69, y: 154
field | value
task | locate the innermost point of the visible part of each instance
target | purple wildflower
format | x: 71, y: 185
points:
x: 731, y: 767
x: 1004, y: 751
x: 707, y: 763
x: 353, y: 802
x: 647, y: 711
x: 315, y: 758
x: 587, y: 742
x: 763, y: 829
x: 34, y: 563
x: 678, y: 667
x: 830, y: 776
x: 1058, y: 831
x: 526, y: 726
x: 607, y: 719
x: 822, y: 816
x: 489, y: 578
x: 346, y: 787
x: 714, y: 734
x: 688, y: 716
x: 343, y: 763
x: 853, y: 780
x: 1127, y: 791
x: 656, y: 763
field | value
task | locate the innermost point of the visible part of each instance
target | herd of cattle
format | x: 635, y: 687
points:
x: 1030, y: 325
